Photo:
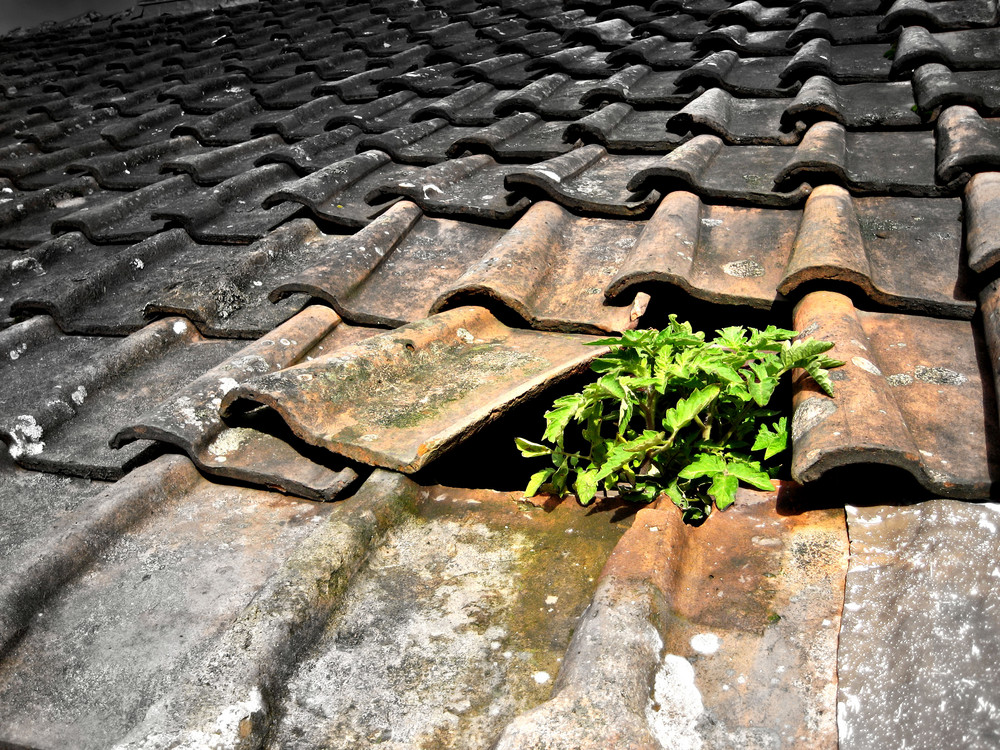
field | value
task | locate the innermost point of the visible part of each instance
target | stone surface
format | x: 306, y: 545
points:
x: 921, y: 622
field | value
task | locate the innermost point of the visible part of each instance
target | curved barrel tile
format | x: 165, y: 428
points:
x: 400, y: 399
x: 896, y: 399
x: 966, y: 144
x: 732, y: 644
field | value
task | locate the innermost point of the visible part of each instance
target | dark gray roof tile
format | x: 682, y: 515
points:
x: 966, y: 143
x: 657, y: 52
x: 212, y: 166
x: 86, y: 388
x: 233, y: 211
x: 935, y: 86
x: 211, y: 95
x: 31, y: 169
x: 26, y: 218
x: 640, y: 86
x: 621, y: 129
x: 314, y: 153
x: 973, y: 49
x: 137, y: 167
x: 940, y: 16
x: 555, y: 95
x: 474, y: 104
x: 471, y: 186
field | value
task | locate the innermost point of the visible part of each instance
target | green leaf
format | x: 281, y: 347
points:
x: 762, y: 391
x: 586, y: 486
x: 772, y: 443
x: 723, y: 490
x: 559, y: 416
x: 688, y: 408
x: 531, y: 450
x: 536, y: 481
x: 704, y: 465
x: 750, y: 474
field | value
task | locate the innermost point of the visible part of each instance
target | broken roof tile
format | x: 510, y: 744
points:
x: 523, y: 136
x: 857, y: 106
x: 474, y: 104
x: 752, y: 76
x: 855, y: 63
x: 554, y: 95
x: 747, y: 256
x: 905, y: 379
x: 503, y: 71
x: 86, y: 388
x: 227, y: 126
x: 754, y: 15
x: 657, y: 52
x: 676, y: 27
x: 210, y: 95
x: 640, y: 86
x: 249, y: 452
x: 399, y: 399
x: 736, y: 120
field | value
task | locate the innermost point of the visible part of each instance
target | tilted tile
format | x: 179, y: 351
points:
x: 138, y: 167
x: 920, y: 612
x: 247, y: 451
x: 87, y: 388
x: 940, y: 16
x: 331, y: 67
x: 840, y: 8
x: 567, y: 20
x: 902, y: 253
x: 305, y: 121
x: 70, y: 132
x: 982, y: 221
x: 337, y: 192
x: 577, y: 62
x: 234, y: 124
x: 204, y: 557
x: 438, y: 80
x: 150, y: 127
x: 622, y: 129
x: 383, y: 114
x: 768, y: 43
x: 894, y: 163
x: 698, y: 8
x: 289, y: 92
x: 234, y: 211
x: 972, y: 49
x: 401, y: 399
x: 555, y: 95
x: 896, y: 399
x: 843, y: 31
x: 736, y: 120
x: 533, y: 44
x: 966, y: 143
x: 733, y: 644
x: 591, y: 179
x: 467, y: 186
x: 425, y: 142
x: 26, y: 218
x: 113, y: 291
x: 935, y: 86
x: 867, y: 163
x: 316, y: 152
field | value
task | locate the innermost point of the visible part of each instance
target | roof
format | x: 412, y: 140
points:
x: 261, y: 257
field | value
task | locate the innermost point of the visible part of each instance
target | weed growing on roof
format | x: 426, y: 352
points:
x: 671, y: 413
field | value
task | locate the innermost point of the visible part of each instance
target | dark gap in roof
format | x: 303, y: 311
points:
x: 489, y: 459
x: 865, y: 485
x: 708, y: 316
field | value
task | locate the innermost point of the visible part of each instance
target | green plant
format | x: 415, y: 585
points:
x: 671, y: 413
